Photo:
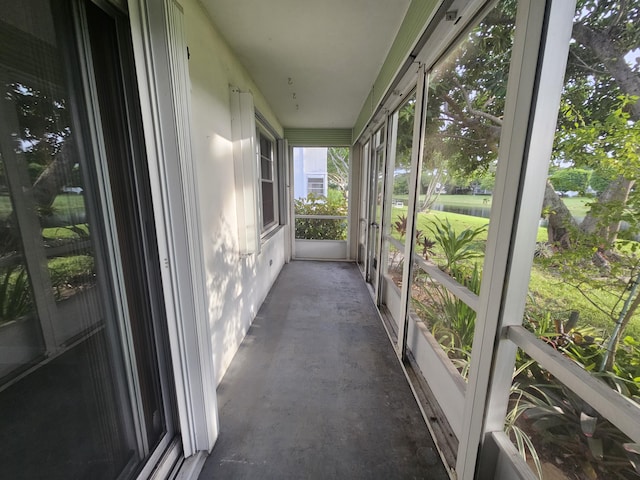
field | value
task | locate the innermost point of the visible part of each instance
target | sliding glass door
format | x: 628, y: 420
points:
x: 84, y: 386
x: 376, y: 192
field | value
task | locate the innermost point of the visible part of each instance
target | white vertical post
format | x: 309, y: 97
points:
x: 160, y: 53
x: 417, y: 149
x: 535, y: 84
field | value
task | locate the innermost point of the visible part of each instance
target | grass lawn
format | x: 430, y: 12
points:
x: 458, y: 222
x: 547, y: 291
x: 576, y: 205
x: 64, y: 203
x: 552, y: 294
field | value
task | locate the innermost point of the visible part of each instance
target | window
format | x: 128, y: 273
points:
x: 268, y: 183
x: 315, y: 185
x: 83, y: 384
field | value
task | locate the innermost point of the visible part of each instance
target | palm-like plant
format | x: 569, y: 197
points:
x: 457, y: 247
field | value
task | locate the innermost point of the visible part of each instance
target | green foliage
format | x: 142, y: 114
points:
x: 401, y: 184
x: 15, y: 293
x: 560, y: 420
x: 517, y: 406
x: 404, y: 137
x: 467, y: 93
x: 601, y: 177
x: 43, y: 122
x: 317, y: 228
x: 571, y: 179
x: 338, y: 168
x: 79, y: 231
x: 35, y: 169
x: 70, y: 272
x: 602, y: 275
x: 574, y: 431
x: 611, y: 141
x: 457, y: 247
x: 453, y: 321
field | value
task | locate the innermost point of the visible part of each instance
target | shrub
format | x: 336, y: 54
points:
x: 15, y: 293
x: 71, y: 272
x: 319, y: 228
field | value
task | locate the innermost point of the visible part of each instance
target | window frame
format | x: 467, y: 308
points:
x: 316, y: 180
x: 263, y: 131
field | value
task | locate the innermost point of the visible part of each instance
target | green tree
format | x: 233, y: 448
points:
x: 466, y: 104
x: 571, y: 179
x: 601, y: 177
x: 401, y: 184
x: 597, y: 125
x: 338, y: 169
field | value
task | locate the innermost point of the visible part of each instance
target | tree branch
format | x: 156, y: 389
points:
x: 475, y: 112
x: 606, y: 51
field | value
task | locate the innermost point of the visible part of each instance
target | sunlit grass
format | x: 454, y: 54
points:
x: 65, y: 203
x: 547, y: 291
x: 578, y: 206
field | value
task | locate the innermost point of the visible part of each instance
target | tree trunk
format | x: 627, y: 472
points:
x: 48, y: 185
x: 605, y: 49
x: 44, y: 192
x: 613, y: 346
x: 431, y: 194
x: 613, y: 198
x: 561, y: 222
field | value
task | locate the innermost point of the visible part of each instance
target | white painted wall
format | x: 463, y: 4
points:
x: 236, y: 286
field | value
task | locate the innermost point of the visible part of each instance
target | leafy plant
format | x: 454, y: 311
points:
x: 518, y: 406
x: 400, y: 225
x: 426, y: 244
x: 15, y: 293
x: 457, y: 247
x: 575, y: 432
x: 321, y: 228
x: 587, y: 347
x: 452, y: 320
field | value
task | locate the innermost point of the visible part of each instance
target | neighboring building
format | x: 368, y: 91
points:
x: 310, y: 171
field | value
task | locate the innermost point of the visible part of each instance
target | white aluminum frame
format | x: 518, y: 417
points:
x: 304, y: 249
x: 163, y: 82
x: 263, y: 128
x: 543, y: 33
x: 505, y: 282
x: 417, y: 150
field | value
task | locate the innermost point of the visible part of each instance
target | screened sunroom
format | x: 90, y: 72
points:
x: 338, y: 239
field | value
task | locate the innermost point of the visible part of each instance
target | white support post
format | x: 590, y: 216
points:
x: 535, y: 83
x: 417, y: 149
x: 161, y: 66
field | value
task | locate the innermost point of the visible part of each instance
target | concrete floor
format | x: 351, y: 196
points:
x: 315, y: 390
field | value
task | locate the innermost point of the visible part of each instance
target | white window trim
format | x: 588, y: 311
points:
x: 163, y: 82
x: 317, y: 178
x: 263, y: 129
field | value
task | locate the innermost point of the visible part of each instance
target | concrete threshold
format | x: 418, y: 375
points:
x: 315, y: 390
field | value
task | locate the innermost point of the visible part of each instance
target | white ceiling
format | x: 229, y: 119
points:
x: 314, y: 60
